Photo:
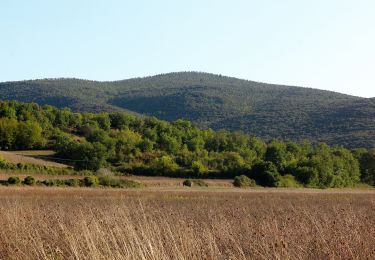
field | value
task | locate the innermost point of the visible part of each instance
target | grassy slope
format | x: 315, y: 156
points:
x: 31, y: 157
x: 266, y: 110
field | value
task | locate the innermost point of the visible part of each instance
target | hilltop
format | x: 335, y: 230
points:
x: 215, y: 101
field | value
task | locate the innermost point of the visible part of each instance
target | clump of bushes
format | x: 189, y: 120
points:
x: 29, y: 180
x: 14, y: 180
x: 73, y: 182
x: 88, y: 181
x: 91, y: 181
x: 58, y: 182
x: 243, y: 181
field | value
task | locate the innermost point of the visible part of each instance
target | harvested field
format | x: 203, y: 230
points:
x: 78, y: 223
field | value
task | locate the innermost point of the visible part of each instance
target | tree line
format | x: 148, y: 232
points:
x: 148, y: 146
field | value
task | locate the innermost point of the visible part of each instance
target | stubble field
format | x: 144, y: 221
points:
x: 78, y: 223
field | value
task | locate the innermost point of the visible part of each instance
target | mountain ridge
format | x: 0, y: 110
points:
x: 216, y: 101
x: 172, y: 73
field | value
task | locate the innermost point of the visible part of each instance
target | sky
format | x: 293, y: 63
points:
x: 325, y: 44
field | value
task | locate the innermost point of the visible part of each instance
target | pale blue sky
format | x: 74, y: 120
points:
x: 321, y: 44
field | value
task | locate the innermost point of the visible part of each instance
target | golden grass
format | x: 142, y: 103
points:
x: 70, y: 223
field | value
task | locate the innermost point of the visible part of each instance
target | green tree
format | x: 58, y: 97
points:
x: 165, y: 165
x: 367, y: 163
x: 266, y: 174
x: 8, y: 133
x: 29, y: 136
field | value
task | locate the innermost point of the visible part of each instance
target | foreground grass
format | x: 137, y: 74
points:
x: 60, y: 223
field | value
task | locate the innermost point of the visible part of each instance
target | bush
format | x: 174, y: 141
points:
x: 14, y: 180
x: 200, y: 183
x: 54, y: 182
x: 49, y: 182
x: 288, y: 181
x: 103, y: 172
x: 29, y: 180
x: 84, y: 173
x: 243, y: 181
x: 3, y: 164
x: 188, y: 183
x: 73, y: 182
x: 110, y: 181
x: 91, y: 181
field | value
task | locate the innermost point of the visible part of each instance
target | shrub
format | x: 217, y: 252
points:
x: 29, y: 180
x: 14, y: 180
x: 2, y: 162
x: 54, y: 182
x: 188, y: 183
x: 288, y: 181
x: 73, y: 182
x: 49, y: 182
x: 59, y: 182
x: 103, y: 172
x: 91, y: 181
x: 110, y: 181
x: 200, y: 183
x: 243, y: 181
x: 84, y: 173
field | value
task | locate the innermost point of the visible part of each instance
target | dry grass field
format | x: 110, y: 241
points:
x: 79, y: 223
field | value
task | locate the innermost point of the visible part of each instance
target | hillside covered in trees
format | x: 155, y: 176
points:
x: 214, y: 101
x: 148, y: 146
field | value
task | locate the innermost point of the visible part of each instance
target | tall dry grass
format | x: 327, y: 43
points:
x: 57, y: 223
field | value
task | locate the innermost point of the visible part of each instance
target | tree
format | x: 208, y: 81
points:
x: 8, y: 133
x: 89, y: 156
x: 169, y: 143
x: 277, y: 154
x: 29, y: 136
x: 103, y: 121
x: 265, y: 174
x: 198, y: 168
x: 367, y: 164
x: 165, y: 165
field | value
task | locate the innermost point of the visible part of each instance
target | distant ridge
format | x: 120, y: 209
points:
x: 265, y: 110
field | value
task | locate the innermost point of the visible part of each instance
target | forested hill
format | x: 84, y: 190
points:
x: 265, y: 110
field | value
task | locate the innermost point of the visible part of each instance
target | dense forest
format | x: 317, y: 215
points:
x: 147, y: 146
x: 217, y: 102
